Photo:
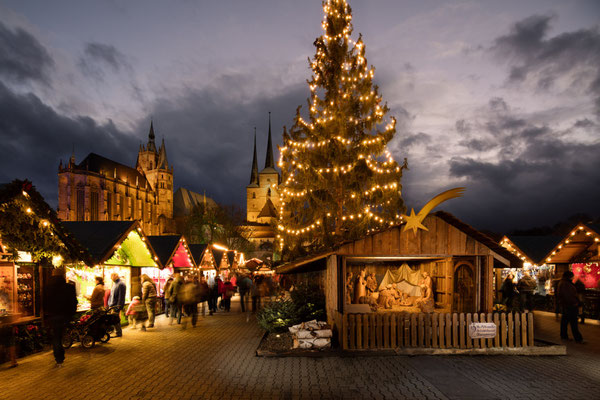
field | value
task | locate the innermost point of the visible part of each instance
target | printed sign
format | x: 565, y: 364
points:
x: 482, y: 330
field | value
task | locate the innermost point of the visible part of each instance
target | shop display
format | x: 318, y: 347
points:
x: 84, y: 279
x: 25, y: 293
x: 159, y: 277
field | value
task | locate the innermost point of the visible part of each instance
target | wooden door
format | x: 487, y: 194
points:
x: 464, y: 288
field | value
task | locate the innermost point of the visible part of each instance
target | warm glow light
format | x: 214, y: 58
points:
x: 219, y: 247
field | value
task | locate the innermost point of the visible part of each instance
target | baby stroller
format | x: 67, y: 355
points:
x: 94, y: 325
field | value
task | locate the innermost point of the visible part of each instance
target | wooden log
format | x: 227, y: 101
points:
x: 517, y: 322
x: 365, y: 318
x: 503, y: 330
x: 510, y: 331
x: 393, y: 331
x: 358, y: 330
x: 434, y: 330
x: 428, y: 330
x: 455, y: 330
x: 524, y: 341
x: 530, y: 336
x: 498, y: 330
x: 386, y: 331
x: 344, y: 329
x: 462, y: 331
x: 413, y: 330
x: 421, y: 331
x: 448, y: 335
x: 372, y: 331
x: 467, y: 337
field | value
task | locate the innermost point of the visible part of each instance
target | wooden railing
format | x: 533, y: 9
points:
x: 434, y: 330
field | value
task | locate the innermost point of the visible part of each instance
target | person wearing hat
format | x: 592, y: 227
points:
x: 569, y: 301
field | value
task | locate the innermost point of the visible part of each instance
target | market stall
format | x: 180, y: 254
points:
x: 204, y: 259
x: 116, y: 247
x: 174, y: 253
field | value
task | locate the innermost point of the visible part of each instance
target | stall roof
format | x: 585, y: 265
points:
x: 101, y: 237
x: 197, y: 251
x: 164, y: 246
x: 218, y: 255
x: 498, y: 251
x: 579, y: 245
x: 535, y: 248
x: 230, y: 257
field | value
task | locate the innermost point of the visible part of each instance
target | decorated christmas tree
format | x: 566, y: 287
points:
x: 339, y: 180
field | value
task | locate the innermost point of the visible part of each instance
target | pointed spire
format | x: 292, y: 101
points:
x: 151, y: 136
x: 254, y: 173
x: 162, y: 156
x: 269, y: 160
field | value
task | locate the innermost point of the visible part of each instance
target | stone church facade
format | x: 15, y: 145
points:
x: 100, y: 189
x: 262, y: 197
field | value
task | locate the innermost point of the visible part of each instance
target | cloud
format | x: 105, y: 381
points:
x: 414, y: 140
x: 22, y: 57
x: 99, y: 55
x: 569, y: 61
x: 35, y: 137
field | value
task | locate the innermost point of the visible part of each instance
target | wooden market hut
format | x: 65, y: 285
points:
x: 116, y: 247
x: 174, y: 254
x: 459, y: 259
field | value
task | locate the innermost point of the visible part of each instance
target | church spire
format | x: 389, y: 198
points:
x: 269, y: 160
x: 151, y: 145
x: 254, y: 173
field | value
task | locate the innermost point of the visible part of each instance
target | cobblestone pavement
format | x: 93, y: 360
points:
x: 216, y: 360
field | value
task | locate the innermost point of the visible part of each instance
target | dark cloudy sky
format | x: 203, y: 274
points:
x: 502, y: 97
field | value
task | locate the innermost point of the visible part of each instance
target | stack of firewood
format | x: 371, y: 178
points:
x: 311, y: 335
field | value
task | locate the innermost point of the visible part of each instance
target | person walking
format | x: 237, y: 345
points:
x: 60, y: 304
x: 567, y: 296
x: 149, y: 296
x: 166, y: 303
x: 213, y: 294
x: 220, y: 291
x: 580, y: 286
x: 173, y: 295
x: 255, y: 292
x: 203, y: 293
x: 228, y: 292
x: 97, y: 297
x: 187, y: 297
x: 244, y: 286
x: 526, y: 286
x: 508, y: 292
x: 117, y: 299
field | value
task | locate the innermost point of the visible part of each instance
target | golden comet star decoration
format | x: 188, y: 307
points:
x: 414, y: 222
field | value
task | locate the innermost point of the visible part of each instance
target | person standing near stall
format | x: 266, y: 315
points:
x: 97, y: 297
x: 567, y: 295
x: 117, y: 299
x: 60, y: 304
x: 149, y: 298
x: 173, y: 296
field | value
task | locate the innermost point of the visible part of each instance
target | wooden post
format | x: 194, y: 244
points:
x: 379, y: 330
x: 441, y: 332
x: 434, y: 330
x: 469, y: 341
x: 524, y: 341
x: 344, y: 329
x: 393, y: 331
x: 530, y: 336
x: 462, y: 331
x: 490, y: 342
x: 503, y: 330
x: 517, y: 330
x: 365, y: 318
x: 448, y: 339
x: 428, y: 330
x: 406, y: 330
x: 476, y: 342
x: 372, y: 331
x: 482, y: 342
x: 413, y: 330
x: 386, y: 331
x: 498, y: 330
x: 455, y: 330
x: 511, y: 331
x: 357, y: 331
x: 421, y: 328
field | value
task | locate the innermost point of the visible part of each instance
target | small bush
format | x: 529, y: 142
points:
x: 277, y: 316
x: 310, y: 302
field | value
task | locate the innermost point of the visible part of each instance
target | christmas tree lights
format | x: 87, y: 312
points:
x: 339, y: 181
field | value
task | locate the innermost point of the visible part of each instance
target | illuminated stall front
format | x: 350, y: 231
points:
x: 117, y: 247
x: 204, y: 259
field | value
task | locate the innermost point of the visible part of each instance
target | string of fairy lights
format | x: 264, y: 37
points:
x: 356, y: 75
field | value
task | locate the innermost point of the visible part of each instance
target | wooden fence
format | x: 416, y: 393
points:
x: 434, y: 330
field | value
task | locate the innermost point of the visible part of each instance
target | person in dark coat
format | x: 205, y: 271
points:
x: 508, y: 292
x: 117, y: 299
x: 569, y: 301
x: 244, y: 285
x: 580, y: 286
x: 60, y: 303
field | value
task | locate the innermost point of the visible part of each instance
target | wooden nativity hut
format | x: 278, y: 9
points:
x: 446, y: 269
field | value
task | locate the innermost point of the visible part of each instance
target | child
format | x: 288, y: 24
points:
x: 132, y: 312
